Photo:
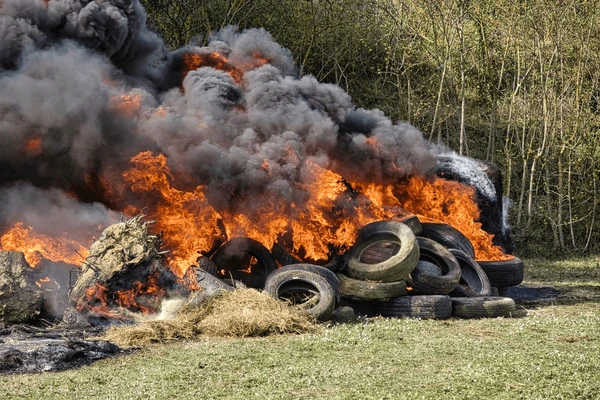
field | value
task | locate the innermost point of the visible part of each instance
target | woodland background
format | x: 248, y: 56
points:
x: 513, y: 82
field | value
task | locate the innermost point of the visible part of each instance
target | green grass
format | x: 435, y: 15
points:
x: 553, y: 352
x: 578, y: 280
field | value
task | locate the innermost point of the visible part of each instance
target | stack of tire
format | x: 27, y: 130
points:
x: 445, y: 281
x: 394, y: 269
x: 243, y: 262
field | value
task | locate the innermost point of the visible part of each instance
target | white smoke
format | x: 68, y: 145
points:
x: 470, y: 171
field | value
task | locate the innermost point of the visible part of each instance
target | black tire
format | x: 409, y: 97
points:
x: 448, y: 236
x: 283, y: 257
x: 482, y: 307
x: 398, y: 266
x: 362, y: 308
x: 504, y: 291
x: 414, y: 223
x: 424, y: 307
x: 437, y: 271
x: 369, y: 290
x: 208, y: 265
x: 343, y: 314
x: 473, y: 279
x: 335, y: 263
x: 233, y: 257
x: 309, y: 287
x: 503, y: 272
x: 324, y: 272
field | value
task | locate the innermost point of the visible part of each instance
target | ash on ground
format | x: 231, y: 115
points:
x: 31, y: 349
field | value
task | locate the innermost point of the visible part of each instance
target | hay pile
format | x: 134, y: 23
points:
x: 241, y: 313
x: 121, y: 247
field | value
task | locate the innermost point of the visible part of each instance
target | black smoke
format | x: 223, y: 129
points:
x: 65, y: 64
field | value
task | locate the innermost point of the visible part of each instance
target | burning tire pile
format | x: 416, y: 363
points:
x: 394, y: 269
x: 227, y: 148
x: 391, y: 270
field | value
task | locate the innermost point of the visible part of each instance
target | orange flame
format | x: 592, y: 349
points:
x: 33, y: 147
x: 334, y: 213
x: 187, y: 221
x: 96, y: 301
x: 128, y: 104
x: 131, y: 298
x: 193, y: 61
x: 438, y: 200
x: 37, y: 246
x: 330, y: 218
x: 47, y: 283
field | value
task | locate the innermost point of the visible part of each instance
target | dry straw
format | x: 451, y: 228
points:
x: 240, y: 313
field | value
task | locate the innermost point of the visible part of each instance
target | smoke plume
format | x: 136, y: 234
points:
x: 82, y: 90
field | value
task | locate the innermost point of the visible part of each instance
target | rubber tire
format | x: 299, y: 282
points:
x: 207, y: 265
x: 344, y: 314
x: 308, y: 278
x: 448, y: 236
x: 398, y: 266
x: 425, y: 283
x: 361, y: 308
x: 239, y: 248
x: 424, y: 307
x: 283, y: 257
x: 324, y: 272
x: 369, y: 290
x: 414, y: 223
x: 482, y: 307
x: 503, y: 272
x: 504, y: 291
x: 473, y: 279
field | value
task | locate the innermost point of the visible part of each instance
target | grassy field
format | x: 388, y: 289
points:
x: 550, y: 351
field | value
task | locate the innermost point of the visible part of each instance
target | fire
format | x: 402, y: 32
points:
x: 128, y: 104
x: 37, y: 246
x: 193, y: 61
x: 335, y: 212
x: 161, y: 111
x: 328, y: 221
x: 143, y: 297
x: 33, y: 147
x: 96, y: 301
x: 189, y: 280
x: 438, y: 200
x: 47, y: 283
x: 142, y: 292
x: 188, y: 223
x: 83, y: 154
x: 453, y: 203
